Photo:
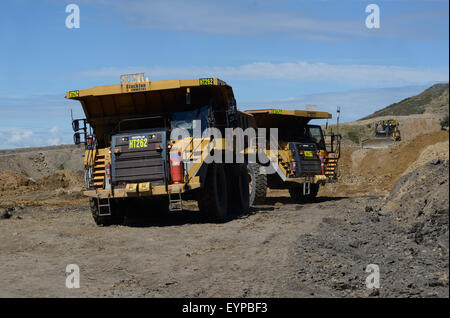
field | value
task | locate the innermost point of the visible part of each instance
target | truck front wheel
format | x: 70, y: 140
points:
x: 257, y: 184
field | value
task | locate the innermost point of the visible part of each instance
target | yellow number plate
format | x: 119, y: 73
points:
x: 73, y: 94
x: 308, y: 154
x: 206, y: 81
x: 137, y: 143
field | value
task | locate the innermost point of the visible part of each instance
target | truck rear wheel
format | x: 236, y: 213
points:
x: 213, y: 198
x: 257, y: 184
x: 116, y: 216
x: 238, y: 189
x: 297, y: 193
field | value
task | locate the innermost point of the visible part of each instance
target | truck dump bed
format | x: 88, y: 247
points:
x: 281, y: 117
x: 106, y: 106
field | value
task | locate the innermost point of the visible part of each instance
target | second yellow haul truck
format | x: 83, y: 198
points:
x: 307, y: 158
x: 132, y: 163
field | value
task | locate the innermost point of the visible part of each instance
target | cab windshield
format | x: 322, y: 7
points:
x: 315, y: 132
x: 184, y: 120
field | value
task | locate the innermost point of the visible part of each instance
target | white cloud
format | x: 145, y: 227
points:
x: 54, y: 141
x: 18, y: 137
x: 353, y: 74
x: 250, y: 18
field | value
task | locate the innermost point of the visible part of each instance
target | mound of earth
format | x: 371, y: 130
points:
x: 65, y: 179
x: 377, y: 170
x: 62, y: 187
x: 11, y: 180
x: 439, y: 150
x: 405, y: 235
x: 421, y: 199
x: 40, y: 162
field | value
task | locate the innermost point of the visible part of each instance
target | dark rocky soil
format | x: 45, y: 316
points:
x: 409, y: 243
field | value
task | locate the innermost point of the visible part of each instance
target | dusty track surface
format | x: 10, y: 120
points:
x: 318, y: 249
x: 177, y: 256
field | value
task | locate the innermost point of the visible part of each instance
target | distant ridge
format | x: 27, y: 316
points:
x: 432, y: 100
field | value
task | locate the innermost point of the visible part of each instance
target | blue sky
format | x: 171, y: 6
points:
x: 273, y: 53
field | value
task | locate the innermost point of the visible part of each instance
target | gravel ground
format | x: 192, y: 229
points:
x: 281, y: 249
x: 177, y: 256
x: 409, y: 243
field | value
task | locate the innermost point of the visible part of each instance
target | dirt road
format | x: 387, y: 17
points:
x: 171, y: 257
x: 280, y: 249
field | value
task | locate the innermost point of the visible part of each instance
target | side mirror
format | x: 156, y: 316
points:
x: 211, y: 118
x: 188, y: 98
x: 76, y: 138
x: 75, y: 125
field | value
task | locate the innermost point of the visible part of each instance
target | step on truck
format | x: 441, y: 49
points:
x: 133, y: 161
x: 307, y: 158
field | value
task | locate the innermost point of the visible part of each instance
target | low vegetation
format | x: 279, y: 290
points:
x: 433, y: 99
x: 354, y: 133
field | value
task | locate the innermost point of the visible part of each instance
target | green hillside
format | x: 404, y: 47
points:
x: 431, y: 100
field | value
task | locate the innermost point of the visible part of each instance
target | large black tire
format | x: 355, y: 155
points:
x: 213, y: 197
x: 238, y: 189
x: 116, y: 217
x: 257, y: 184
x: 297, y: 193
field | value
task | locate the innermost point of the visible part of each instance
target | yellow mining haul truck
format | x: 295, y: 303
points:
x: 307, y: 158
x: 135, y: 160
